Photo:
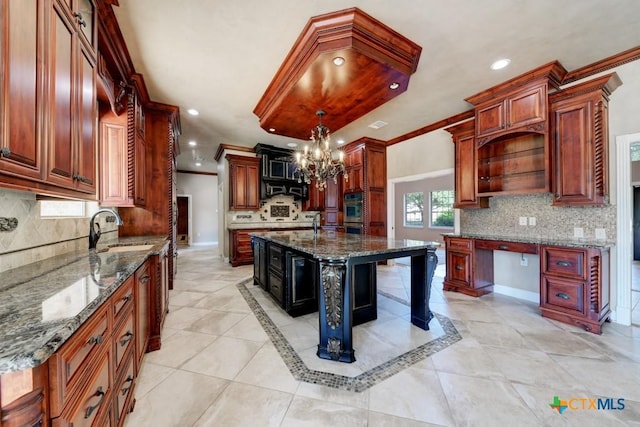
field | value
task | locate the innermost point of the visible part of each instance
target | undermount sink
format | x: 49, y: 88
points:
x: 130, y: 248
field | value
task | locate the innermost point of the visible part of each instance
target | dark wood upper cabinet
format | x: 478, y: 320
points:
x: 244, y: 182
x: 581, y: 140
x: 466, y: 167
x: 23, y: 84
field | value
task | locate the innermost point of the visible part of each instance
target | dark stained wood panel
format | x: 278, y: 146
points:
x: 375, y: 56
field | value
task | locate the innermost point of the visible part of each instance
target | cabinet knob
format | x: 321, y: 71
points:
x: 562, y: 295
x: 5, y: 152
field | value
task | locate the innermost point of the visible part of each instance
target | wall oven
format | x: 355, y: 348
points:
x: 353, y: 215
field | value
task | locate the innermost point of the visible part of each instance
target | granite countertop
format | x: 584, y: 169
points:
x: 541, y: 240
x: 268, y: 225
x: 42, y: 304
x: 335, y: 245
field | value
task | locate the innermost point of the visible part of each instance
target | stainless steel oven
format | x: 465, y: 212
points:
x: 353, y: 208
x: 353, y: 227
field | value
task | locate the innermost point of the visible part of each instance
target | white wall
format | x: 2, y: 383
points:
x: 425, y: 153
x: 204, y: 192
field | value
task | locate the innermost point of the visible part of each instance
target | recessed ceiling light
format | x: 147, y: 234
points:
x: 193, y: 111
x: 500, y: 64
x: 340, y: 141
x: 291, y: 144
x: 394, y: 86
x: 198, y: 164
x: 338, y: 61
x: 272, y: 129
x: 193, y: 143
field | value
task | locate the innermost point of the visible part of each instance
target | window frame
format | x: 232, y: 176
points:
x: 404, y: 211
x: 451, y: 209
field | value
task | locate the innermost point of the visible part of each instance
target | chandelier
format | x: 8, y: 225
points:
x: 316, y: 161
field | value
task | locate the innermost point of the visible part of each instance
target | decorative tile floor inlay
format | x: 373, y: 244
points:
x: 444, y: 334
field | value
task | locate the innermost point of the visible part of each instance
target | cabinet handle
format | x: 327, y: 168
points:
x: 563, y: 263
x: 562, y: 295
x: 126, y: 339
x: 95, y: 340
x: 90, y: 409
x: 459, y: 267
x: 83, y: 179
x: 145, y: 279
x: 126, y: 389
x: 5, y: 152
x: 81, y: 21
x: 503, y: 247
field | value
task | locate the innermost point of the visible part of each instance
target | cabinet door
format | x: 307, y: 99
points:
x: 580, y: 163
x: 85, y: 157
x: 459, y: 268
x: 527, y: 107
x: 60, y: 170
x: 316, y: 200
x: 245, y: 180
x: 490, y: 118
x: 142, y: 283
x: 21, y: 89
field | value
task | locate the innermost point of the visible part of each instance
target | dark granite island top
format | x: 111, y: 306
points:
x: 342, y: 246
x: 342, y: 262
x: 42, y: 304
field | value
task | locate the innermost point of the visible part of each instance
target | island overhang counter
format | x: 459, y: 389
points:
x: 295, y: 266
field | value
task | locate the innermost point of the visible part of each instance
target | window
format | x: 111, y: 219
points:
x: 66, y: 208
x: 414, y: 210
x: 441, y: 208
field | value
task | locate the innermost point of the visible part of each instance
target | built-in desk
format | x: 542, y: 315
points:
x: 574, y: 275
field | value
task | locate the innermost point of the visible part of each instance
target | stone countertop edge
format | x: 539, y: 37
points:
x: 27, y: 340
x: 575, y: 243
x: 267, y: 225
x: 340, y: 246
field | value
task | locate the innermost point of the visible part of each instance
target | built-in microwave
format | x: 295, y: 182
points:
x: 353, y: 208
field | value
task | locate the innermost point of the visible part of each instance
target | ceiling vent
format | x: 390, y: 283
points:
x: 378, y: 124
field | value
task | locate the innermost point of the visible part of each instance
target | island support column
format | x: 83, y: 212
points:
x: 335, y: 316
x: 423, y: 267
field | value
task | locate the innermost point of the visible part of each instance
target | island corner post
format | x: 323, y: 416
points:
x: 336, y: 278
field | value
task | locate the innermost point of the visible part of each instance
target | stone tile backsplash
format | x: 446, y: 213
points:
x: 36, y: 238
x: 504, y: 212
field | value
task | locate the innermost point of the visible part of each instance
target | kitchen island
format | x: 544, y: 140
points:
x: 335, y: 272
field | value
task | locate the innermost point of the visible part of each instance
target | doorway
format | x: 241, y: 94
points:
x: 184, y: 220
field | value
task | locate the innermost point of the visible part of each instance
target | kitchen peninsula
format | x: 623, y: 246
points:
x: 335, y: 274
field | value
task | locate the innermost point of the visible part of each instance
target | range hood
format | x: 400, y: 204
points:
x: 274, y: 188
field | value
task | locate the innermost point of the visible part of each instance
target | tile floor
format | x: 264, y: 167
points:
x: 217, y: 366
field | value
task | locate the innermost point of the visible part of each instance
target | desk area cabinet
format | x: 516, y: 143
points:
x: 574, y: 280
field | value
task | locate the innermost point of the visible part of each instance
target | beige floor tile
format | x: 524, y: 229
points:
x: 266, y: 369
x: 415, y: 394
x: 248, y: 329
x: 246, y: 405
x: 183, y: 317
x: 185, y: 298
x: 563, y: 342
x: 341, y: 397
x: 497, y: 334
x: 483, y: 402
x: 179, y: 347
x: 150, y: 376
x: 178, y: 401
x: 216, y: 322
x: 314, y: 413
x: 467, y: 357
x: 376, y: 419
x: 225, y: 358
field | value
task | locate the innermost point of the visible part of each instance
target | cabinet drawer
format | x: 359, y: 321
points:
x: 275, y: 257
x: 68, y: 365
x: 563, y: 294
x: 276, y: 286
x: 123, y: 390
x: 497, y: 245
x: 93, y: 402
x: 454, y: 243
x: 122, y: 299
x: 567, y: 262
x: 123, y: 339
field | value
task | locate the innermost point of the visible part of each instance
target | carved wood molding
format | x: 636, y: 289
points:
x: 603, y: 65
x: 433, y: 126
